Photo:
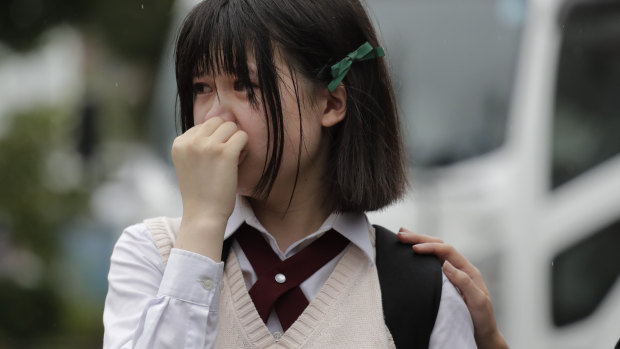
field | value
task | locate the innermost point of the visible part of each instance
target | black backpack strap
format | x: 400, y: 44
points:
x: 410, y: 290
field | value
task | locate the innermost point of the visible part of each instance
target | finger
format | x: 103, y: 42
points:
x: 208, y: 127
x: 474, y: 297
x: 445, y: 252
x: 223, y: 132
x: 237, y: 142
x: 410, y: 237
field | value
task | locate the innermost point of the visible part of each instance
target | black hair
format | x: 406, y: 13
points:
x: 366, y: 168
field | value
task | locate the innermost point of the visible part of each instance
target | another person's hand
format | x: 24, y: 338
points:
x: 467, y: 278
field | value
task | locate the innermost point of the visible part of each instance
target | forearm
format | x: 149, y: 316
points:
x: 492, y: 341
x: 165, y: 323
x: 150, y: 305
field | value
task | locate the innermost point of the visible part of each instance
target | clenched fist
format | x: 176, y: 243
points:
x: 206, y: 158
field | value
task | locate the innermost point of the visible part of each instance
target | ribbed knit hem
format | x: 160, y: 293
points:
x: 163, y: 235
x: 254, y: 327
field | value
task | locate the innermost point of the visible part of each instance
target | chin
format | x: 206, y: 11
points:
x: 244, y: 189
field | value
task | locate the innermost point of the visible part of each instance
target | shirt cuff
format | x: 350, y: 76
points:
x: 192, y: 278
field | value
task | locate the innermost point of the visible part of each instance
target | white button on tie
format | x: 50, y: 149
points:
x: 277, y: 334
x: 280, y: 278
x: 208, y: 284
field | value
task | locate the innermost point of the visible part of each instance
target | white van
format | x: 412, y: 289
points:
x: 513, y: 116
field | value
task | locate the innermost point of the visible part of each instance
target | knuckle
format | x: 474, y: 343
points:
x: 448, y: 248
x: 199, y: 147
x: 244, y: 136
x: 452, y: 250
x: 462, y: 278
x: 207, y: 148
x: 479, y: 302
x: 177, y: 140
x: 228, y: 153
x: 177, y: 145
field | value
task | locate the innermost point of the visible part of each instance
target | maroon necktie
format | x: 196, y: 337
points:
x: 278, y: 281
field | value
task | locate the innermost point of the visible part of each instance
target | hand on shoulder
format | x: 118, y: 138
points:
x: 468, y: 279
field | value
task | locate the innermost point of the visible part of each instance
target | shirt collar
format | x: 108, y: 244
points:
x: 354, y: 226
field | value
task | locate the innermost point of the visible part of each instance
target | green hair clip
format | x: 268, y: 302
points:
x: 363, y: 53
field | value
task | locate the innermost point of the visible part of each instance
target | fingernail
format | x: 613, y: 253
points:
x: 418, y: 247
x: 448, y: 268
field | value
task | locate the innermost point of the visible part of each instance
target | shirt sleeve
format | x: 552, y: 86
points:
x: 454, y: 328
x: 150, y: 305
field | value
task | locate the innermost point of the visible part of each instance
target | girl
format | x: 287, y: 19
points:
x: 290, y: 133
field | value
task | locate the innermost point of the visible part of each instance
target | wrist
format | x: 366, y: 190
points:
x: 203, y: 210
x: 500, y: 342
x: 203, y: 235
x: 494, y: 340
x: 203, y: 220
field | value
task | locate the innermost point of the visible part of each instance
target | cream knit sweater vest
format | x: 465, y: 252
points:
x: 347, y: 312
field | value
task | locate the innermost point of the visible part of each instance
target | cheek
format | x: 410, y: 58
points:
x: 200, y: 111
x: 257, y: 138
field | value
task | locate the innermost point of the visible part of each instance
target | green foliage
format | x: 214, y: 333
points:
x: 26, y: 309
x: 134, y: 29
x: 123, y: 44
x: 23, y: 21
x: 36, y: 210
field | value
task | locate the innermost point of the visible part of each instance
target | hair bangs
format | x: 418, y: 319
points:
x: 223, y: 37
x: 221, y: 40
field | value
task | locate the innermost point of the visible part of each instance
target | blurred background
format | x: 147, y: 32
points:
x: 511, y: 113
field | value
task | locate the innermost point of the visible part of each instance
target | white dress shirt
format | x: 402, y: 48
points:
x: 152, y: 305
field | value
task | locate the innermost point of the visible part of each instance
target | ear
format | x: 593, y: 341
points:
x: 335, y: 106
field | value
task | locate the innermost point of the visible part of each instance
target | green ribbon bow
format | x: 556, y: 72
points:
x: 341, y: 69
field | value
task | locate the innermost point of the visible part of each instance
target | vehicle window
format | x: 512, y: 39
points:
x: 587, y: 106
x: 453, y: 66
x: 583, y: 274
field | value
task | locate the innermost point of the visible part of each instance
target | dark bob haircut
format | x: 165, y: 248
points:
x: 366, y: 168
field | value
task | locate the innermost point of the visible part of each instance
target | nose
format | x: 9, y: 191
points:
x: 221, y: 107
